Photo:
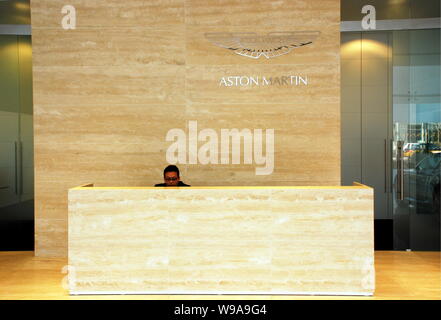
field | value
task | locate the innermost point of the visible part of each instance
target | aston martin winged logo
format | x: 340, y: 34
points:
x: 271, y: 45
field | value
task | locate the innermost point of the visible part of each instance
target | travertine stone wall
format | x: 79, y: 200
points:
x: 107, y: 93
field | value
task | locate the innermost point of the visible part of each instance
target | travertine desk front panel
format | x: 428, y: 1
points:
x: 220, y: 240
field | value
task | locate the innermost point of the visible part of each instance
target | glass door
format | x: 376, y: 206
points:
x: 416, y: 145
x: 16, y: 144
x: 9, y: 122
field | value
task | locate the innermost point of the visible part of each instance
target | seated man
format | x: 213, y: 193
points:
x: 171, y: 178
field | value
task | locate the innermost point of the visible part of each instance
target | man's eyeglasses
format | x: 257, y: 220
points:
x: 171, y: 179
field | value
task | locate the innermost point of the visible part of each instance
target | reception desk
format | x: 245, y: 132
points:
x: 221, y: 240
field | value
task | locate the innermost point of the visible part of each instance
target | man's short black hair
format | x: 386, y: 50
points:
x: 171, y: 168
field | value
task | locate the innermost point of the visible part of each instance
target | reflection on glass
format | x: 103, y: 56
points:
x: 417, y: 139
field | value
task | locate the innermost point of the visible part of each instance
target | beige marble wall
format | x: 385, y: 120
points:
x: 106, y: 93
x: 308, y: 240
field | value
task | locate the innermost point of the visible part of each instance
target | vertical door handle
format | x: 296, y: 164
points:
x: 16, y: 165
x: 391, y: 148
x: 385, y: 166
x: 402, y: 177
x: 20, y: 144
x: 400, y: 170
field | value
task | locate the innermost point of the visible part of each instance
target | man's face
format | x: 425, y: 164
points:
x: 171, y: 179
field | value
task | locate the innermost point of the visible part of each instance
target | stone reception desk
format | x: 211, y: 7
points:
x: 221, y: 240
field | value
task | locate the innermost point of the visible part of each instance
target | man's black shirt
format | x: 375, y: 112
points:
x: 180, y: 184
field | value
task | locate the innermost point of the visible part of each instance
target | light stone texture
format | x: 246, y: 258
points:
x: 211, y: 240
x: 106, y: 94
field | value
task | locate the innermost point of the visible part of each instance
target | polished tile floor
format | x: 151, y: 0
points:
x: 399, y: 275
